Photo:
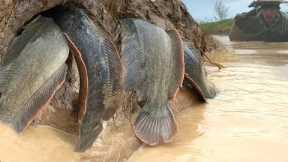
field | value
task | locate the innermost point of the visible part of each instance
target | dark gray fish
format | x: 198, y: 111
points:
x: 33, y: 70
x: 196, y: 75
x: 103, y: 67
x: 154, y: 62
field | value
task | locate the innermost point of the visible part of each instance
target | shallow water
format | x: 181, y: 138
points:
x: 246, y: 122
x: 41, y: 144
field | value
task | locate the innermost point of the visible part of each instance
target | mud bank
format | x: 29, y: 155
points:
x: 164, y: 13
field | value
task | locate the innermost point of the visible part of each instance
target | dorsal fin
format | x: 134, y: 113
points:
x: 83, y: 93
x: 179, y: 69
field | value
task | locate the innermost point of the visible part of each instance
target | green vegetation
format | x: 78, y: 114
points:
x: 218, y: 27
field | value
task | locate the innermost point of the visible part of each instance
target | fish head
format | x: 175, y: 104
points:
x: 89, y: 131
x: 195, y: 69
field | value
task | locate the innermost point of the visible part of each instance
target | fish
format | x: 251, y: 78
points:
x: 196, y: 76
x: 31, y: 72
x: 153, y: 60
x: 100, y: 71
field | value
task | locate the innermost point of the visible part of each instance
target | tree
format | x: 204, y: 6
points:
x: 221, y: 10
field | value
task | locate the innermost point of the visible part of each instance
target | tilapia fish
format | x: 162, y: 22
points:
x: 31, y: 72
x: 196, y: 75
x: 100, y: 73
x: 154, y: 63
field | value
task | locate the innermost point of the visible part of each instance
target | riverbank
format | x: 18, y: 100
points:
x: 222, y: 27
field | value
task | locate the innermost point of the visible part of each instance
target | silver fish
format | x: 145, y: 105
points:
x: 154, y: 62
x: 100, y: 73
x: 32, y: 71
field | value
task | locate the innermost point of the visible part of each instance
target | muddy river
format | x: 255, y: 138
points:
x: 246, y: 122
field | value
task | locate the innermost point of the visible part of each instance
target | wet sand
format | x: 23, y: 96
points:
x: 246, y: 122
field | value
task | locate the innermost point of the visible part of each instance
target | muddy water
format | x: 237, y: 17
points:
x: 41, y: 144
x: 246, y: 122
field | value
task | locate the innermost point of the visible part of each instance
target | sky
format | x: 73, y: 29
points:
x: 203, y: 10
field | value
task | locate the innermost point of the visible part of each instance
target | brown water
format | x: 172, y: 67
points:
x: 246, y: 122
x: 41, y: 144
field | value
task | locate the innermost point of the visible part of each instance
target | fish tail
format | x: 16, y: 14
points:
x: 157, y: 127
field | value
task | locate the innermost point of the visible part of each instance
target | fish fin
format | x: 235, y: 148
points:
x: 83, y: 73
x: 179, y: 69
x: 39, y: 100
x: 114, y: 86
x: 192, y: 85
x: 155, y: 130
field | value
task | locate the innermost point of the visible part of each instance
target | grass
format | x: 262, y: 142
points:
x: 218, y: 27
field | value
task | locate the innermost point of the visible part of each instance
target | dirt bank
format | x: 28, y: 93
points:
x: 164, y: 13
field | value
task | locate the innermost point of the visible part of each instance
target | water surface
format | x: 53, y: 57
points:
x: 41, y: 144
